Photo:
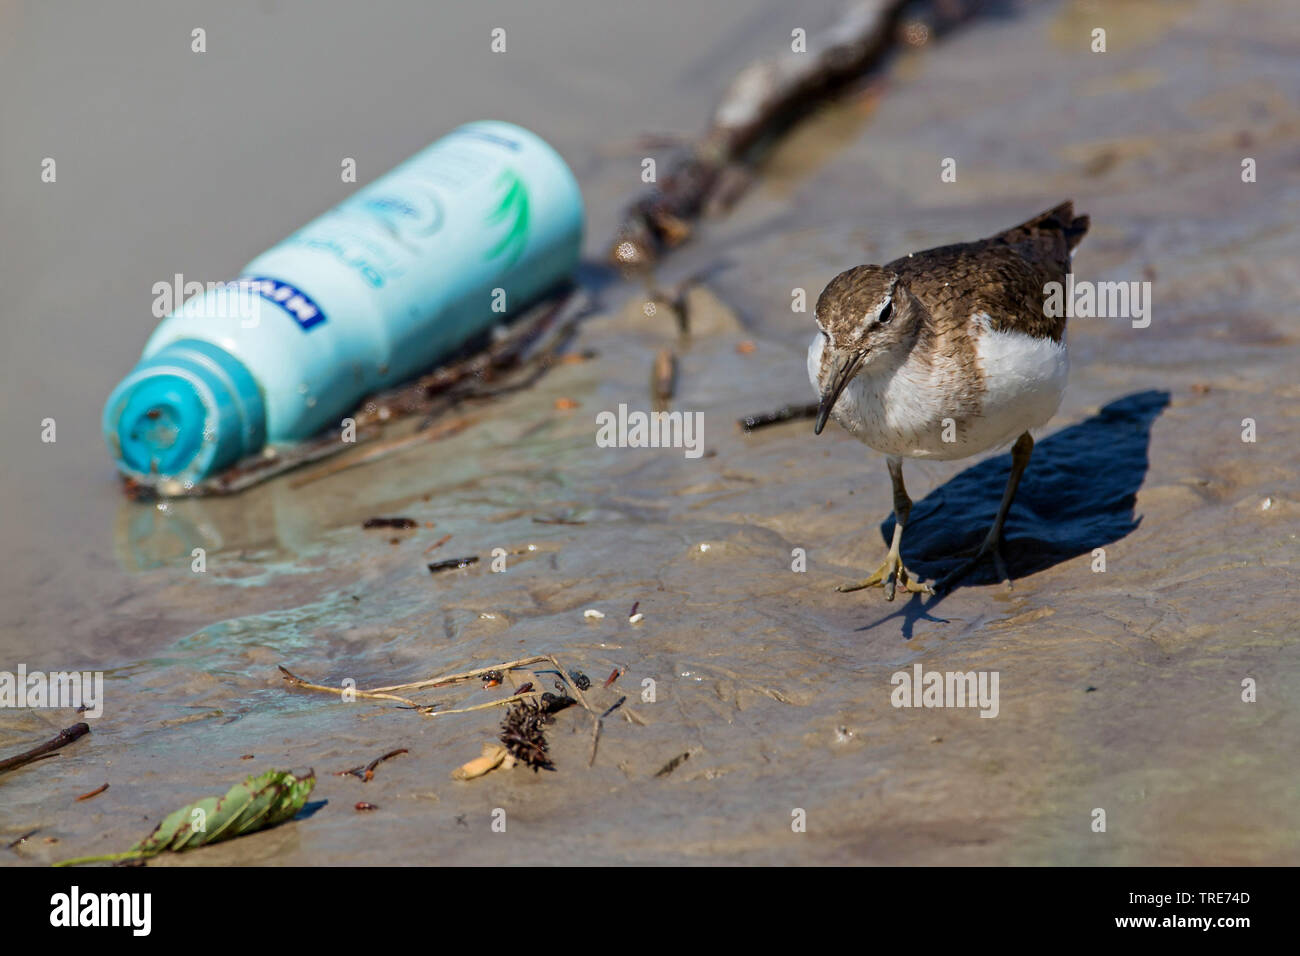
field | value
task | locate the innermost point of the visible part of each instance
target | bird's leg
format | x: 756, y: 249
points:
x: 891, y: 571
x: 1020, y: 453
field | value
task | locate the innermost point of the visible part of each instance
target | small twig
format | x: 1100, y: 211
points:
x: 65, y: 737
x: 367, y: 771
x: 429, y: 711
x: 462, y: 676
x: 94, y: 793
x: 673, y: 764
x: 452, y: 563
x: 439, y: 543
x: 595, y: 731
x: 786, y: 413
x: 22, y: 838
x: 663, y: 379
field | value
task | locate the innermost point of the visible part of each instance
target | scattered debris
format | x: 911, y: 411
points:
x: 521, y: 732
x: 614, y: 675
x: 93, y: 793
x: 65, y: 737
x: 401, y: 523
x: 636, y: 618
x: 591, y: 614
x: 747, y: 347
x: 565, y: 404
x: 362, y: 805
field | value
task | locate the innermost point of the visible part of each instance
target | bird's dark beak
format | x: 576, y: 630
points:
x: 844, y: 365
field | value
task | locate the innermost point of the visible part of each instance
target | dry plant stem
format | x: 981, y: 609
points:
x: 462, y: 676
x: 429, y: 711
x: 297, y: 681
x: 595, y: 741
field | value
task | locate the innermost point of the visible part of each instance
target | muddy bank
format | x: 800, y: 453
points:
x: 1118, y: 689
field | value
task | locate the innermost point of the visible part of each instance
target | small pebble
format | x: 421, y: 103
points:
x: 591, y: 614
x: 636, y: 618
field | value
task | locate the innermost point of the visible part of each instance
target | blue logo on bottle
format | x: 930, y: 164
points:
x: 293, y: 300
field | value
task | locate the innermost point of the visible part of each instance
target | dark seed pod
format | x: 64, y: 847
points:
x: 580, y: 680
x: 523, y: 737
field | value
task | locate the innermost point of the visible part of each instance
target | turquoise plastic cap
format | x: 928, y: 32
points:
x: 185, y: 412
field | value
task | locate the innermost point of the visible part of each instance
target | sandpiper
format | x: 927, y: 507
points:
x: 943, y: 354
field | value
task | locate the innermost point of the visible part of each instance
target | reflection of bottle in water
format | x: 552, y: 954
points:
x: 383, y: 286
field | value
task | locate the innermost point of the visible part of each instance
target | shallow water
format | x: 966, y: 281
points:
x: 1119, y: 690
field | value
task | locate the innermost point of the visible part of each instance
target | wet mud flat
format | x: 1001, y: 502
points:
x: 1118, y: 689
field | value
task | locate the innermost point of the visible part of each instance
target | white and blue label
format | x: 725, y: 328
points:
x: 300, y: 306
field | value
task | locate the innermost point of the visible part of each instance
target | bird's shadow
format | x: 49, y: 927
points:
x: 1077, y: 495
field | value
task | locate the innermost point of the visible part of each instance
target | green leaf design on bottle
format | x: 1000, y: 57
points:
x: 512, y: 209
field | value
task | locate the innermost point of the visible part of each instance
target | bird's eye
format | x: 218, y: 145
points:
x: 887, y: 312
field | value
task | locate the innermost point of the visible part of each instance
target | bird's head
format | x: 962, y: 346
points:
x: 866, y: 317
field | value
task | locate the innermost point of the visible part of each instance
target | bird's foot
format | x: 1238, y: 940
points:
x: 892, y: 572
x: 990, y: 547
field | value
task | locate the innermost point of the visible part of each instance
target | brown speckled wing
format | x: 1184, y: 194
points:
x: 1002, y: 275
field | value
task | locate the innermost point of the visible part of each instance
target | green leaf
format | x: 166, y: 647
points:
x: 256, y: 804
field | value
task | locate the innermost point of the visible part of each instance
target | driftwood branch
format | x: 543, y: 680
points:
x: 764, y: 101
x: 65, y: 737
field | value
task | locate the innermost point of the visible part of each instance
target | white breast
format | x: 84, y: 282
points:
x: 909, y: 411
x: 1024, y: 378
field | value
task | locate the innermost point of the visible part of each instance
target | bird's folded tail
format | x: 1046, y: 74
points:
x: 1060, y: 219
